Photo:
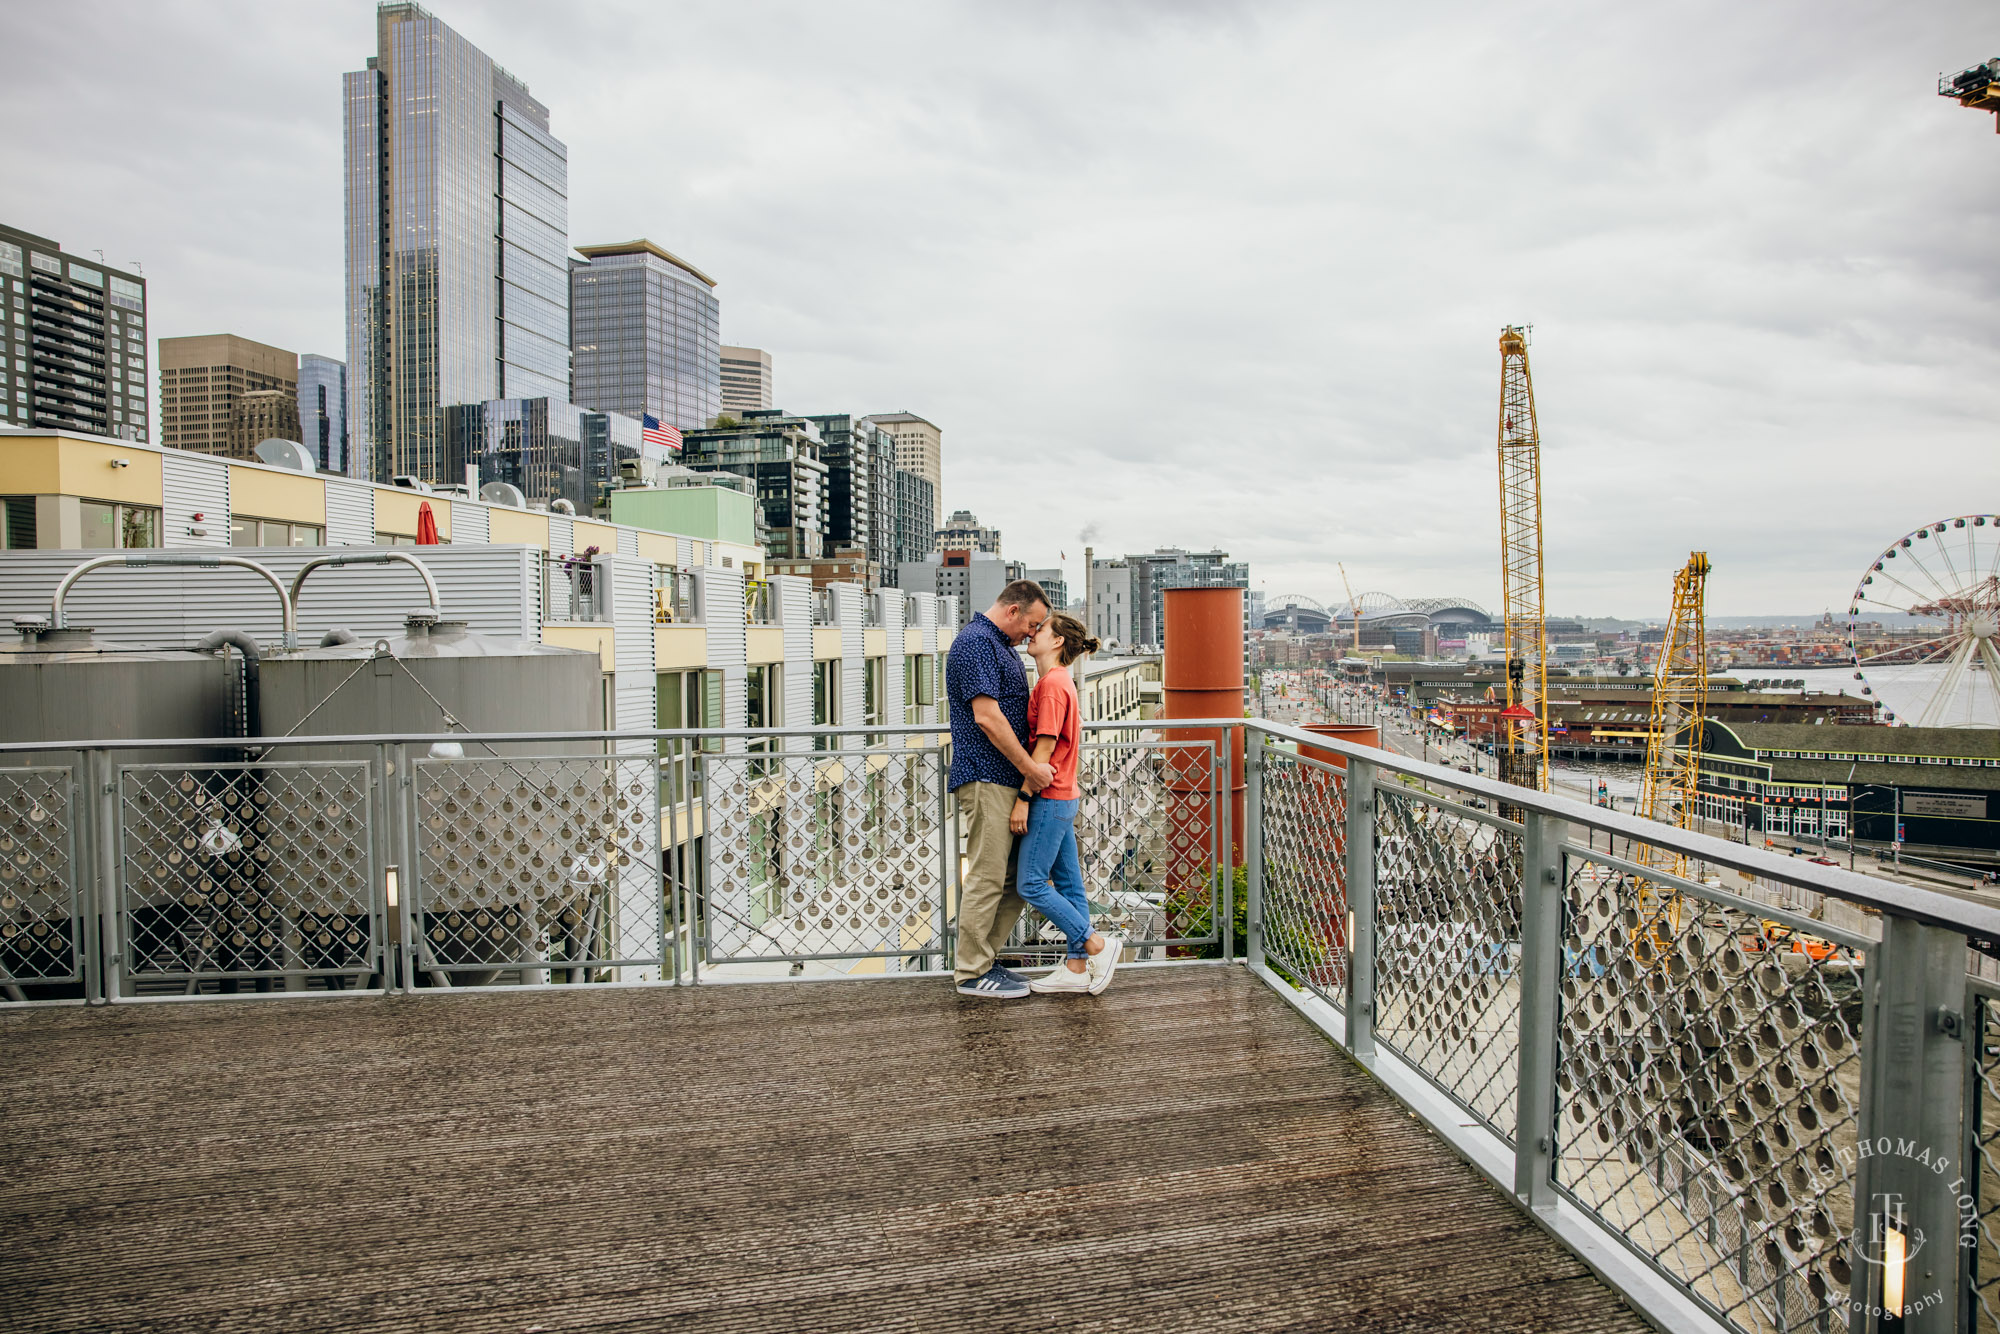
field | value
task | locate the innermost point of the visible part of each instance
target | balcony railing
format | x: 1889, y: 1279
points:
x: 573, y: 589
x: 1737, y: 1112
x: 822, y: 606
x: 674, y: 596
x: 760, y: 603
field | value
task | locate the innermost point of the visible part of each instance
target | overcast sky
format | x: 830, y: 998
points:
x: 1197, y: 274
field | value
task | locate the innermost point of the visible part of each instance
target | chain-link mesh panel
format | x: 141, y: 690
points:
x: 1983, y: 1259
x: 40, y: 927
x: 1305, y: 874
x: 1448, y: 949
x: 247, y: 870
x: 1706, y: 1086
x: 549, y: 865
x: 823, y: 855
x: 1147, y: 836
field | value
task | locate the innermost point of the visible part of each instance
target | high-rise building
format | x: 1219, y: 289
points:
x: 202, y: 380
x: 919, y: 449
x: 1170, y: 567
x: 861, y: 485
x: 1111, y: 602
x: 645, y: 335
x: 548, y: 447
x: 912, y: 523
x: 963, y: 531
x: 1054, y: 582
x: 782, y: 453
x: 323, y: 412
x: 259, y: 415
x: 746, y: 380
x: 457, y: 220
x: 73, y: 341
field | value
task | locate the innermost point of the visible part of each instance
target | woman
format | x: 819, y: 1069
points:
x: 1050, y: 877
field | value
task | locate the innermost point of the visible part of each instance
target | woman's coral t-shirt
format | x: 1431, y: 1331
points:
x: 1053, y: 711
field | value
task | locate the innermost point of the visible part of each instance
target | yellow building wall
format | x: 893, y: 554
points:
x: 396, y: 511
x: 764, y: 643
x: 275, y: 495
x: 913, y: 642
x: 874, y: 643
x: 599, y: 638
x: 679, y: 648
x: 509, y: 527
x: 826, y: 642
x: 600, y: 535
x: 48, y: 466
x: 658, y: 548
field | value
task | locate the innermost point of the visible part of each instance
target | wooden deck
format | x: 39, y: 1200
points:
x: 1183, y: 1153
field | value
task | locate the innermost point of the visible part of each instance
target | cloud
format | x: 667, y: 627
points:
x: 1201, y: 274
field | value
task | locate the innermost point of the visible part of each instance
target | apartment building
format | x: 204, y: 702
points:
x: 73, y: 336
x: 691, y: 630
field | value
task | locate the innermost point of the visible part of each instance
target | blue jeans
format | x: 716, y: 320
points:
x: 1050, y: 876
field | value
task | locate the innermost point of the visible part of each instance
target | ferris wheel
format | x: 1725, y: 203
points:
x: 1925, y: 620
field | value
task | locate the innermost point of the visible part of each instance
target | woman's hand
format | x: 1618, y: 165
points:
x: 1017, y: 823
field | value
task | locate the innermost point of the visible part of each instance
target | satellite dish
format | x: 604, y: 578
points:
x: 286, y: 454
x: 503, y: 493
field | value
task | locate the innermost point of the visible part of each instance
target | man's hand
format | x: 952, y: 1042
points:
x: 1017, y: 823
x: 1035, y: 775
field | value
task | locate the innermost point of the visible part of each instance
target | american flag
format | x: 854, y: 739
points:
x: 656, y: 432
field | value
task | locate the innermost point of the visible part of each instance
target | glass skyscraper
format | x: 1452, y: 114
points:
x: 457, y: 221
x: 323, y: 412
x: 647, y: 333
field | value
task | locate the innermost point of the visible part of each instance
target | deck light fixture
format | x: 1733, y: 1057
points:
x: 392, y: 884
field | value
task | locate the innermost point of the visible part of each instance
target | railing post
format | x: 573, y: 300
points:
x: 1253, y: 848
x: 104, y: 799
x: 1910, y: 1172
x: 1225, y: 888
x: 1541, y: 982
x: 1360, y: 868
x: 402, y: 824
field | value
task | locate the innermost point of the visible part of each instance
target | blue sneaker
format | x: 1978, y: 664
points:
x: 996, y: 983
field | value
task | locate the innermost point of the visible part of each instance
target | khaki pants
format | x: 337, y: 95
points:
x: 988, y: 905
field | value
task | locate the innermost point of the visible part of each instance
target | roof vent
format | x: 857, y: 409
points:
x: 286, y: 454
x: 503, y: 493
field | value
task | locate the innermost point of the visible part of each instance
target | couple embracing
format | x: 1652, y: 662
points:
x: 1013, y: 772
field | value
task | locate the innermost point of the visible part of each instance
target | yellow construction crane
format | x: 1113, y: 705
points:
x: 1353, y: 607
x: 1977, y: 88
x: 1673, y: 739
x: 1524, y: 758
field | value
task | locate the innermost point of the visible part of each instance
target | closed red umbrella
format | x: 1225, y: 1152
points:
x: 427, y: 525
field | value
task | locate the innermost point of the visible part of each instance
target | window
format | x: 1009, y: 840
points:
x: 873, y: 688
x: 826, y: 699
x: 10, y: 260
x: 17, y: 523
x: 46, y: 263
x: 112, y: 527
x: 248, y: 532
x: 87, y: 276
x: 394, y: 540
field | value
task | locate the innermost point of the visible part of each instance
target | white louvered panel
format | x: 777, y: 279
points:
x: 470, y: 523
x: 890, y: 600
x: 194, y: 484
x: 628, y: 541
x: 562, y: 535
x: 728, y: 648
x: 684, y: 552
x: 350, y: 514
x: 927, y: 622
x: 485, y: 586
x: 794, y: 597
x: 634, y: 685
x: 850, y: 603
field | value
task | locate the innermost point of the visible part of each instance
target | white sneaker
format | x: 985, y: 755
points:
x: 1100, y: 966
x: 1060, y: 981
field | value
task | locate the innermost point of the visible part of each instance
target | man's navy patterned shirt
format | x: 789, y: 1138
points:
x: 982, y: 662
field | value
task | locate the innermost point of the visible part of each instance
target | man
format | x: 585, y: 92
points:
x: 990, y: 767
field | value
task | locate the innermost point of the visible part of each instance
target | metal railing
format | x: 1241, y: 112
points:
x: 760, y: 603
x: 573, y: 589
x: 822, y: 606
x: 674, y: 596
x: 1737, y: 1111
x: 1690, y: 1086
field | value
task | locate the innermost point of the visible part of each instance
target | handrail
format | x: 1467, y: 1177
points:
x: 366, y: 558
x: 184, y: 559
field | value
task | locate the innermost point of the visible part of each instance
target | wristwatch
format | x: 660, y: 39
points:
x: 1025, y: 795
